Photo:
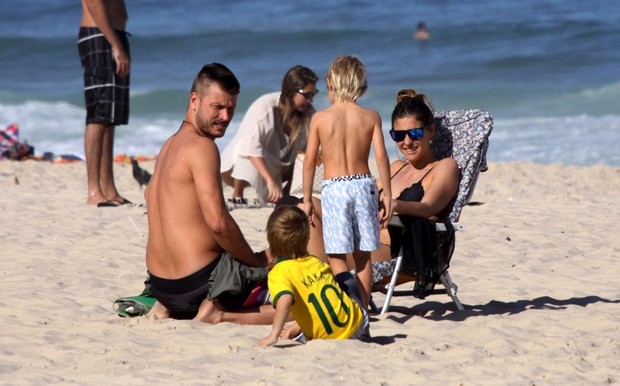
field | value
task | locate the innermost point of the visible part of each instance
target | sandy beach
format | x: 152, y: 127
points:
x: 537, y: 269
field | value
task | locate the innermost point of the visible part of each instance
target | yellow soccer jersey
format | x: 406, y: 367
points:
x: 320, y: 307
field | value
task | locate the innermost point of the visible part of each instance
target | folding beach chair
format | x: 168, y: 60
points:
x: 464, y: 136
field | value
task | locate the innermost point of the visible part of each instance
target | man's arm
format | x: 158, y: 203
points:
x: 99, y: 13
x: 205, y: 168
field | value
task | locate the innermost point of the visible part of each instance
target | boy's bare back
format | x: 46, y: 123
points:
x: 345, y: 132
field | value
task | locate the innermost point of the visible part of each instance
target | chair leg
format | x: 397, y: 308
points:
x: 392, y: 285
x: 373, y: 306
x: 451, y: 289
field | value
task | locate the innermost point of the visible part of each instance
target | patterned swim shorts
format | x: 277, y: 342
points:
x: 350, y: 214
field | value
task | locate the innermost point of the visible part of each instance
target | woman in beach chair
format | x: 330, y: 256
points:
x: 443, y: 155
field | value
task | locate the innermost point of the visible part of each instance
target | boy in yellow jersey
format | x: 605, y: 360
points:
x: 324, y: 307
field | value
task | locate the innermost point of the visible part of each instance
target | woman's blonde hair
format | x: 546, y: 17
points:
x: 288, y: 232
x: 296, y: 78
x: 347, y: 78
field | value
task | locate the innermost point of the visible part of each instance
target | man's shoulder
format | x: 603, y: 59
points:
x: 193, y: 146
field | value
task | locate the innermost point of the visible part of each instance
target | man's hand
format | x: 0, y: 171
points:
x: 122, y: 61
x: 264, y: 259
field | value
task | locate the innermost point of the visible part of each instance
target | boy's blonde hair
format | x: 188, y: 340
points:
x: 347, y: 76
x: 288, y: 232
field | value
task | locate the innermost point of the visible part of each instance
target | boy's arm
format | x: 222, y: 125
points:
x: 310, y: 160
x: 283, y: 308
x: 383, y: 164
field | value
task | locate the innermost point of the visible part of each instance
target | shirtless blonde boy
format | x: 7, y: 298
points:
x: 350, y: 198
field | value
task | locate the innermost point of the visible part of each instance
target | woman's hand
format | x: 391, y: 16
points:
x: 394, y: 206
x: 275, y: 192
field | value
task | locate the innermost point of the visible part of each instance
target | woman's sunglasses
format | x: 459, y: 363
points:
x: 307, y: 94
x: 414, y: 134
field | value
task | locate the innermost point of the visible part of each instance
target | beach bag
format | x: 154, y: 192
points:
x: 10, y: 146
x: 426, y: 252
x: 297, y: 182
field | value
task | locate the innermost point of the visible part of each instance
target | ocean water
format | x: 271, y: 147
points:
x: 548, y: 71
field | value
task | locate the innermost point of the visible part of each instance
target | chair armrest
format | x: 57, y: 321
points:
x: 440, y: 227
x: 395, y: 221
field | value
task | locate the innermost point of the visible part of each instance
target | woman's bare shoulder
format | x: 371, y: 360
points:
x: 447, y: 163
x: 399, y: 163
x: 396, y: 166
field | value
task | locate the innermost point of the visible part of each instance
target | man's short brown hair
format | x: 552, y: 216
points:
x: 215, y: 73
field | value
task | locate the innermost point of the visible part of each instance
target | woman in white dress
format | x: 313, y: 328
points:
x: 272, y: 132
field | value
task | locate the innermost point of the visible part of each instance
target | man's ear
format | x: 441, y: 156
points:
x: 193, y: 100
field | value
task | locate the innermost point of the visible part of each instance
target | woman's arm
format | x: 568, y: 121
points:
x: 443, y: 187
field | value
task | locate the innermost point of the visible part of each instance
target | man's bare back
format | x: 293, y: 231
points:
x: 114, y: 9
x: 189, y: 224
x: 180, y: 241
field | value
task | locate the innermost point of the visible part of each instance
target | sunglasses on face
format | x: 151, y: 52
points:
x: 307, y: 94
x: 414, y: 134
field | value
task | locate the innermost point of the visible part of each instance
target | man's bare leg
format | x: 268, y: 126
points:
x: 98, y: 149
x: 106, y: 171
x: 159, y: 311
x: 212, y: 312
x: 93, y: 144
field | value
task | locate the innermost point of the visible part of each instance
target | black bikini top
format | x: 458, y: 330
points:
x: 415, y: 192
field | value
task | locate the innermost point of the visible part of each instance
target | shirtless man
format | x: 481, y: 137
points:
x: 104, y: 53
x: 189, y: 225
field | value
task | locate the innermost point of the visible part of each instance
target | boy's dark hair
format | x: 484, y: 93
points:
x: 288, y: 232
x: 216, y: 73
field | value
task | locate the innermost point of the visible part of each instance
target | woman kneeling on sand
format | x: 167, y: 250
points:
x: 273, y: 131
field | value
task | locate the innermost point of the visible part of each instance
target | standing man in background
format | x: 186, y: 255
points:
x: 104, y: 52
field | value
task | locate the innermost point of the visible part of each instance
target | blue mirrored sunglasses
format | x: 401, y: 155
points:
x: 414, y: 134
x: 307, y: 94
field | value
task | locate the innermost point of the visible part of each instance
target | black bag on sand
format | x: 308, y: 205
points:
x: 426, y: 251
